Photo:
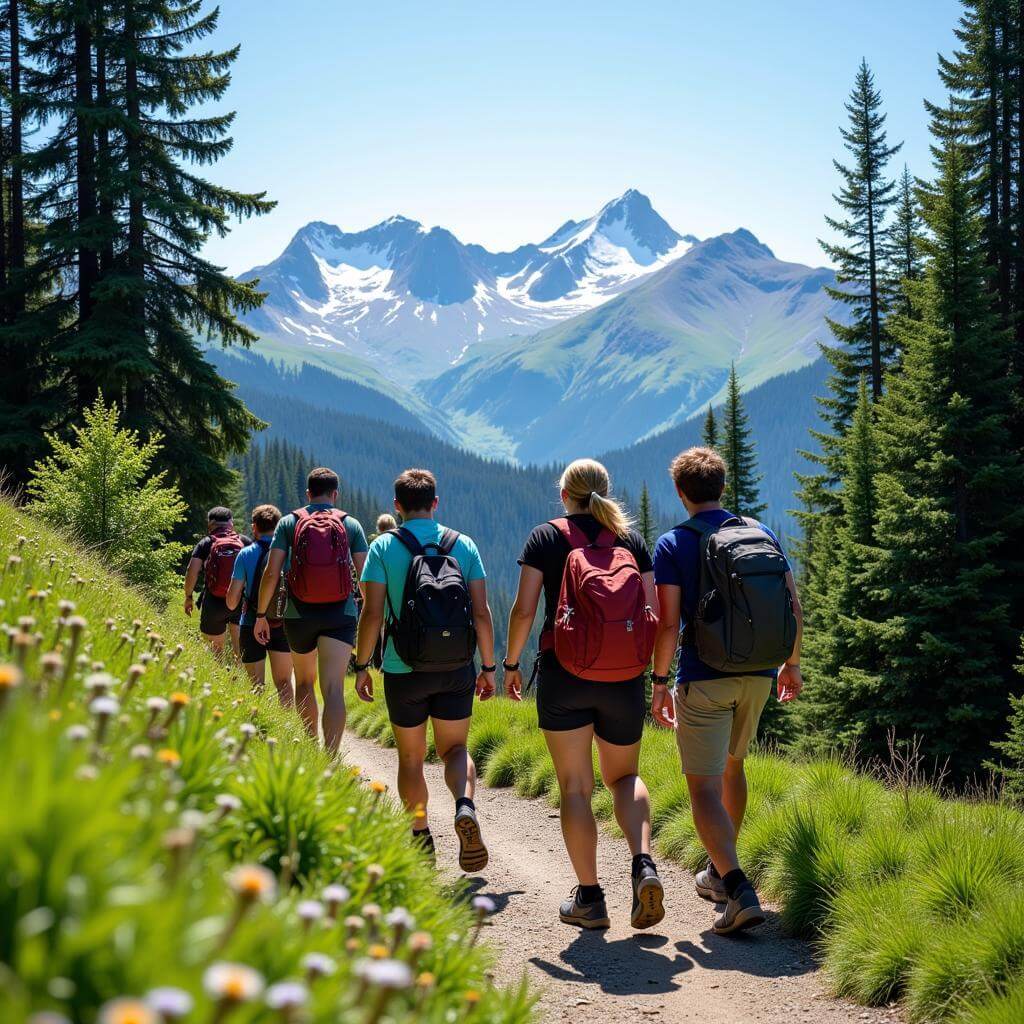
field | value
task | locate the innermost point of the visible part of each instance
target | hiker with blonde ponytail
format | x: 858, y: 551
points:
x: 600, y: 619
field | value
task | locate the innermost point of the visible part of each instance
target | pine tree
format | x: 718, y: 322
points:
x: 646, y: 519
x: 903, y: 253
x: 710, y: 434
x: 949, y: 488
x: 1009, y: 766
x: 742, y: 494
x: 99, y: 487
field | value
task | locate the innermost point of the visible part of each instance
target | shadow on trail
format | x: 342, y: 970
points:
x: 647, y: 963
x: 477, y: 886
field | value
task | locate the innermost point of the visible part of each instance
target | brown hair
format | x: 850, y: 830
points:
x: 265, y: 517
x: 699, y: 473
x: 322, y: 481
x: 587, y: 484
x: 386, y: 521
x: 415, y: 490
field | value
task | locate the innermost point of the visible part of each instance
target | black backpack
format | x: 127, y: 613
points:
x: 744, y: 620
x: 434, y: 631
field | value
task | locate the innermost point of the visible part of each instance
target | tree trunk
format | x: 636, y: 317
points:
x: 16, y: 251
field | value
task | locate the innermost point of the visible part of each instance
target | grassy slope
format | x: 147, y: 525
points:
x: 909, y: 896
x: 114, y: 849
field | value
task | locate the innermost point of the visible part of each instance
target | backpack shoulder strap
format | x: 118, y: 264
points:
x: 698, y: 526
x: 408, y: 538
x: 300, y: 514
x: 573, y: 535
x: 257, y: 576
x: 447, y: 541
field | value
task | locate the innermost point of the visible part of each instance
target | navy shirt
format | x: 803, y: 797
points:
x: 677, y: 564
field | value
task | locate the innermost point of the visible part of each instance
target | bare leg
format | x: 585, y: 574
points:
x: 574, y: 766
x: 734, y: 791
x: 334, y: 658
x: 234, y: 632
x: 412, y: 749
x: 305, y: 689
x: 459, y: 769
x: 714, y: 826
x: 632, y: 801
x: 256, y: 672
x: 281, y: 673
x: 216, y: 643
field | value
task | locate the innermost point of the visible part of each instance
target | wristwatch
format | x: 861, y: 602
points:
x: 488, y: 668
x: 659, y: 680
x: 510, y: 666
x: 360, y: 668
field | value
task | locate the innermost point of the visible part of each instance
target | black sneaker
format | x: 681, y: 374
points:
x: 648, y: 898
x: 472, y: 852
x: 584, y: 915
x: 741, y: 912
x: 425, y: 841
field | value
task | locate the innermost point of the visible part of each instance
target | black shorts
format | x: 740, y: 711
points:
x: 412, y: 697
x: 215, y: 615
x: 303, y: 633
x: 252, y: 650
x: 564, y: 701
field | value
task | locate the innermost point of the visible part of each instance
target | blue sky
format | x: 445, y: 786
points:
x: 500, y: 121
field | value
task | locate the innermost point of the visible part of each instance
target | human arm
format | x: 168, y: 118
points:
x: 484, y: 625
x: 268, y: 585
x: 370, y: 622
x: 520, y: 622
x: 191, y: 579
x: 791, y: 682
x: 233, y: 598
x: 665, y: 642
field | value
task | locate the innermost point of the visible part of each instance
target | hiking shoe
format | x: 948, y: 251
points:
x: 584, y: 915
x: 472, y: 852
x: 648, y: 898
x: 425, y: 841
x: 741, y: 912
x: 710, y: 886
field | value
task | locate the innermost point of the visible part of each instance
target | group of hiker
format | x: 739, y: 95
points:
x: 717, y: 598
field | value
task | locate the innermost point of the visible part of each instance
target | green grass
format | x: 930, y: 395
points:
x: 906, y: 895
x: 120, y: 831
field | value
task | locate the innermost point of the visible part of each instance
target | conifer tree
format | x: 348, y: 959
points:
x: 949, y: 489
x: 709, y: 436
x: 742, y: 494
x: 903, y: 253
x: 646, y: 523
x: 1009, y: 766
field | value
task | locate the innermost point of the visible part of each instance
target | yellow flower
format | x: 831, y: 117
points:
x: 378, y: 787
x: 252, y: 882
x: 54, y: 715
x: 425, y: 980
x: 168, y: 757
x: 378, y: 952
x: 355, y: 771
x: 216, y: 714
x: 10, y: 676
x: 126, y: 1011
x: 180, y: 699
x: 472, y: 996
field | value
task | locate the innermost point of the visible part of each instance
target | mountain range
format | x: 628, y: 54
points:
x: 612, y: 329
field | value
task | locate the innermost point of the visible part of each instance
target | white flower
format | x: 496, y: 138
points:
x: 252, y: 881
x: 157, y: 704
x: 105, y: 706
x: 247, y: 729
x: 400, y: 918
x: 310, y: 910
x: 384, y: 973
x: 141, y: 752
x: 227, y: 802
x: 318, y: 965
x: 99, y: 681
x: 126, y: 1010
x: 77, y: 733
x: 336, y: 894
x: 236, y: 983
x: 484, y: 905
x: 287, y: 995
x: 193, y: 819
x: 170, y: 1003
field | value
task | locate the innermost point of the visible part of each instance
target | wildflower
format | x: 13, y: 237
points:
x: 378, y: 787
x: 77, y: 733
x: 156, y: 705
x: 169, y: 757
x: 104, y: 707
x: 351, y: 945
x: 232, y: 983
x: 178, y: 839
x: 51, y: 663
x: 179, y: 701
x: 353, y: 923
x: 287, y: 995
x: 252, y: 882
x: 193, y: 819
x: 310, y: 911
x: 87, y: 773
x: 226, y: 803
x: 216, y: 714
x: 387, y: 974
x: 22, y: 643
x: 10, y: 678
x: 484, y: 906
x: 400, y: 918
x: 375, y: 872
x: 134, y: 671
x: 420, y: 942
x: 141, y: 752
x: 170, y: 1003
x: 472, y: 997
x: 247, y: 729
x: 318, y: 965
x: 54, y: 715
x: 334, y: 896
x: 126, y: 1011
x: 425, y: 980
x: 355, y: 771
x: 371, y: 912
x: 98, y: 683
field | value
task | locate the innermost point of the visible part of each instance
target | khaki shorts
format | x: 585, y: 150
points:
x: 715, y: 717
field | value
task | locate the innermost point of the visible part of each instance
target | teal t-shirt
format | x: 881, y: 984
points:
x: 284, y: 536
x: 389, y: 559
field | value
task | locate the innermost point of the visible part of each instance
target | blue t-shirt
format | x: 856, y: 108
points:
x: 677, y: 564
x: 246, y: 562
x: 388, y: 562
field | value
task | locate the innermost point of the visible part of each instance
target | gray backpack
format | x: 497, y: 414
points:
x: 744, y: 619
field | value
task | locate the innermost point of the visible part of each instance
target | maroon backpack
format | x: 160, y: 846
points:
x: 221, y: 561
x: 604, y: 627
x: 321, y: 565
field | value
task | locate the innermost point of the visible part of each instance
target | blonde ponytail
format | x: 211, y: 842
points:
x: 587, y: 485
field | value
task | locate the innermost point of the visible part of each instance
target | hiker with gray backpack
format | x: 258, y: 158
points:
x: 726, y: 579
x: 425, y: 584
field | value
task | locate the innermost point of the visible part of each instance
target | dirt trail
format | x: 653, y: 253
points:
x: 678, y: 971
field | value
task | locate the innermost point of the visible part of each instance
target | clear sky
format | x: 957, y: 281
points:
x: 500, y: 121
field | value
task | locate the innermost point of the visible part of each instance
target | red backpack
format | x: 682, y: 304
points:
x: 321, y: 565
x: 604, y: 627
x: 221, y: 561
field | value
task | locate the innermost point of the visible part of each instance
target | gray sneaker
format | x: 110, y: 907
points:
x: 472, y: 851
x: 742, y: 912
x: 584, y: 915
x: 710, y: 886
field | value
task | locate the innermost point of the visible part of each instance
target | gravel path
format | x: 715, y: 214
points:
x: 678, y: 971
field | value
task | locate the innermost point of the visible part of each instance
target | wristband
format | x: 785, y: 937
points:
x: 261, y: 615
x: 488, y: 668
x: 510, y: 666
x: 360, y: 668
x: 659, y: 680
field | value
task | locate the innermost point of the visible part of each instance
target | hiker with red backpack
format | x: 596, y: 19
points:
x: 213, y: 558
x: 726, y: 578
x: 600, y: 618
x: 318, y: 547
x: 426, y: 584
x: 244, y: 592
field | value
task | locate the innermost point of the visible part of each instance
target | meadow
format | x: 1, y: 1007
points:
x: 174, y: 848
x: 906, y: 896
